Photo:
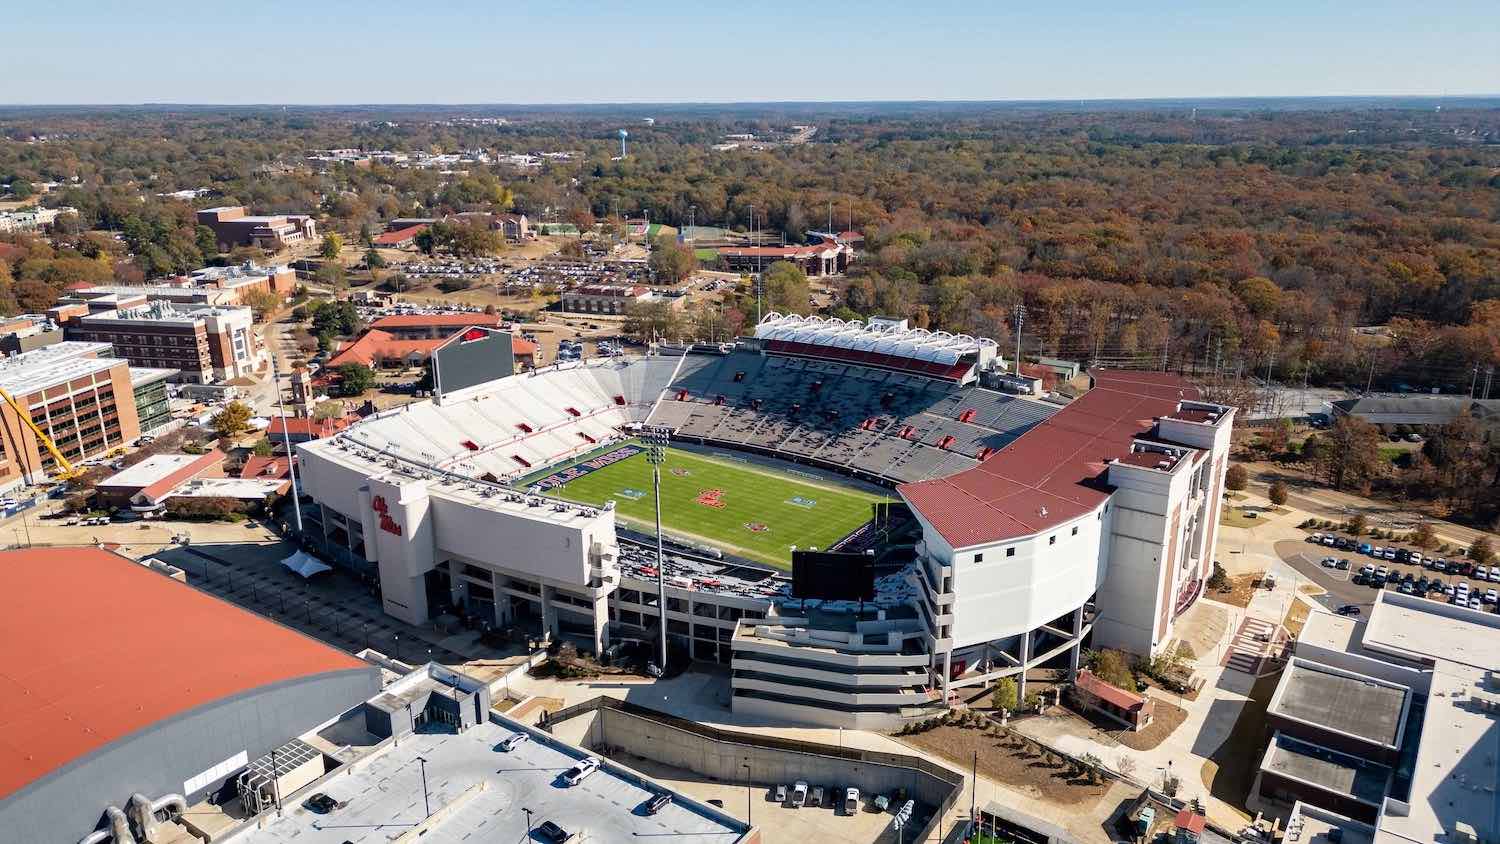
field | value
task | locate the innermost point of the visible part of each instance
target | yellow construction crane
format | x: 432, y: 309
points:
x: 66, y: 471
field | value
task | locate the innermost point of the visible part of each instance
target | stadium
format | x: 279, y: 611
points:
x: 1006, y: 532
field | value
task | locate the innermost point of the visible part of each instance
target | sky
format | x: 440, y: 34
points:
x: 560, y: 51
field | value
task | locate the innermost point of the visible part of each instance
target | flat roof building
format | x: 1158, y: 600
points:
x: 147, y: 484
x: 119, y: 680
x: 1444, y: 779
x: 204, y: 343
x: 233, y: 227
x: 78, y: 394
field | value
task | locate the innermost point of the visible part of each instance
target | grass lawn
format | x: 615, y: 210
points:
x: 757, y: 513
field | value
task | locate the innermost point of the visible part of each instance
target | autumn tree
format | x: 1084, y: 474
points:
x: 232, y: 421
x: 1278, y: 493
x: 1349, y: 456
x: 354, y: 379
x: 670, y: 261
x: 652, y: 321
x: 1236, y: 477
x: 1004, y: 696
x: 1482, y: 552
x: 1113, y: 668
x: 332, y: 245
x: 1424, y: 536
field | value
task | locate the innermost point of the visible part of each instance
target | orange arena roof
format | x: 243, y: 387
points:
x: 445, y: 320
x: 94, y: 647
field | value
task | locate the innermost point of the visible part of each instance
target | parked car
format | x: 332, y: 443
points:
x: 1348, y: 609
x: 657, y: 803
x: 552, y: 832
x: 1330, y: 539
x: 1475, y: 603
x: 1390, y: 553
x: 1342, y: 564
x: 1491, y: 596
x: 579, y: 772
x: 1377, y: 552
x: 1316, y: 539
x: 780, y: 793
x: 1439, y: 565
x: 799, y: 794
x: 1364, y: 547
x: 851, y: 801
x: 1403, y: 555
x: 321, y: 803
x: 1494, y: 574
x: 1417, y: 559
x: 817, y: 796
x: 512, y: 741
x: 1328, y: 562
x: 1366, y: 569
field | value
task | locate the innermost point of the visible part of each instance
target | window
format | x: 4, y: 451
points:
x: 1052, y: 540
x: 1075, y: 530
x: 978, y: 558
x: 1011, y: 551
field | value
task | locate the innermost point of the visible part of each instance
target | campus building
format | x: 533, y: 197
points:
x: 25, y: 332
x: 1042, y: 529
x: 233, y: 227
x: 831, y: 255
x: 1385, y: 728
x: 603, y: 298
x: 80, y: 395
x: 224, y: 286
x: 204, y: 343
x: 143, y: 696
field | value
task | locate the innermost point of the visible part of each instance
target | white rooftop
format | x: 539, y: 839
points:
x: 876, y: 337
x: 51, y: 365
x: 477, y: 794
x: 1455, y: 778
x: 241, y: 488
x: 150, y: 470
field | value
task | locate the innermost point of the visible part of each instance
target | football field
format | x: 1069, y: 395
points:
x: 753, y: 512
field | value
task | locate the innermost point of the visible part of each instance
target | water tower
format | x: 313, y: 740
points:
x: 623, y: 135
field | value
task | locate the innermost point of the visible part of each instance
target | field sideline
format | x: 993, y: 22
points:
x: 756, y: 513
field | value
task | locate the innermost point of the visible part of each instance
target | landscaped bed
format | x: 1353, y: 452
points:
x: 1009, y: 758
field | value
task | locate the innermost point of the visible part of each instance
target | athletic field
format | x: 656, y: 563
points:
x: 753, y: 512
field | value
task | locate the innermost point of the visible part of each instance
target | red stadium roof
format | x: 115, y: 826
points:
x: 1054, y: 472
x: 443, y: 320
x: 94, y: 647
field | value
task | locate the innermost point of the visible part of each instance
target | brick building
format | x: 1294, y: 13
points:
x: 205, y: 343
x: 77, y: 394
x: 233, y: 227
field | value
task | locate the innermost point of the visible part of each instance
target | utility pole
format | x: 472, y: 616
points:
x: 1370, y: 378
x: 1020, y: 320
x: 1489, y: 375
x: 1473, y: 380
x: 974, y: 790
x: 656, y: 438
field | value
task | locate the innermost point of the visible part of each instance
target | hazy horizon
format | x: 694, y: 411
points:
x: 576, y: 53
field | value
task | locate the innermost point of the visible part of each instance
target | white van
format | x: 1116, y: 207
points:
x: 851, y: 801
x: 799, y: 794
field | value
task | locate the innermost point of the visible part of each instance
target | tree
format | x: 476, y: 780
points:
x: 21, y: 189
x: 1424, y: 536
x: 262, y: 448
x: 373, y: 259
x: 261, y: 302
x: 1482, y: 552
x: 1112, y: 667
x: 1358, y: 524
x: 649, y: 322
x: 1236, y: 477
x: 1004, y: 696
x: 670, y: 261
x: 1350, y: 454
x: 232, y: 421
x: 328, y: 410
x: 1278, y: 493
x: 354, y: 379
x: 787, y: 289
x: 331, y: 275
x: 332, y: 246
x: 1219, y: 580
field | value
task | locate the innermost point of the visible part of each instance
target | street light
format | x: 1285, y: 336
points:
x: 426, y: 805
x: 748, y: 803
x: 656, y: 438
x: 291, y: 453
x: 528, y: 822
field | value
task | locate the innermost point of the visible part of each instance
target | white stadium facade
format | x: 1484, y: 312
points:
x: 1038, y: 528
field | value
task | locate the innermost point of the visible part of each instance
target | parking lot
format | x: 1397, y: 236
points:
x: 1351, y: 570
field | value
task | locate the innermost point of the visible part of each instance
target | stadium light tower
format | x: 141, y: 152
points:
x: 291, y: 453
x: 656, y: 438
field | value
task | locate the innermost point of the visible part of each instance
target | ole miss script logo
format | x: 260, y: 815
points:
x: 387, y: 523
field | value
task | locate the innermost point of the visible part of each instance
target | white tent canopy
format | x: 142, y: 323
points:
x: 305, y: 564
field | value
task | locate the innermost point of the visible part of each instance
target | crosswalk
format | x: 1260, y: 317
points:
x: 1251, y: 646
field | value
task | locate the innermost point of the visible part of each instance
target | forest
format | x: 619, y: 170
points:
x: 1327, y: 245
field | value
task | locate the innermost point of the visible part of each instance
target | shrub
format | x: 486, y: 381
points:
x: 1279, y: 493
x: 1219, y: 580
x: 1004, y: 696
x: 1112, y: 668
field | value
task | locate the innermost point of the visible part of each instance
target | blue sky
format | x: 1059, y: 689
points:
x: 557, y: 51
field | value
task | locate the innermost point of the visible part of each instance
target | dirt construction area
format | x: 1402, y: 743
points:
x: 777, y: 822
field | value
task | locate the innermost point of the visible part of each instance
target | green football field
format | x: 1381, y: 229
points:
x: 746, y: 510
